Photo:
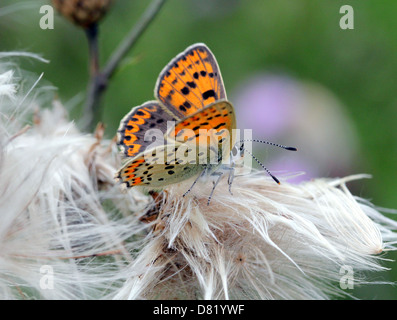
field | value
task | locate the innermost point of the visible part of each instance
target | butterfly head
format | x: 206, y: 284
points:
x: 237, y: 153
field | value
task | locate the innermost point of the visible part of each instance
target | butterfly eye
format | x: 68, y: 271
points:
x: 234, y: 151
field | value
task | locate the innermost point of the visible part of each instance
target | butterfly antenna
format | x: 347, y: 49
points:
x: 264, y: 168
x: 270, y: 143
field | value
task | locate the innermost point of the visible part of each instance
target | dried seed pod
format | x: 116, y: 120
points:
x: 83, y: 12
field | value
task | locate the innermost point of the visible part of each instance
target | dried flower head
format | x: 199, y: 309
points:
x: 83, y: 12
x: 264, y: 242
x: 55, y: 185
x: 67, y: 232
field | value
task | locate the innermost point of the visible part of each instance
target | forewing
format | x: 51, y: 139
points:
x: 191, y: 81
x: 218, y: 117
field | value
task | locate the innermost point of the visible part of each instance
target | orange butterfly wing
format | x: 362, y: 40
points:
x: 218, y: 116
x: 134, y: 126
x: 191, y: 81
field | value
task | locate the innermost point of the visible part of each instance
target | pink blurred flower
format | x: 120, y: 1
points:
x: 305, y: 115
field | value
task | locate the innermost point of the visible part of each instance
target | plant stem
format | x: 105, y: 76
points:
x: 100, y: 79
x: 92, y: 37
x: 94, y: 87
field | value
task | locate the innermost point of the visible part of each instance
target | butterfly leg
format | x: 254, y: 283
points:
x: 195, y: 181
x: 219, y: 174
x: 230, y: 179
x: 231, y: 176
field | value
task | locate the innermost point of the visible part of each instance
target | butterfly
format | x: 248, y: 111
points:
x: 191, y: 120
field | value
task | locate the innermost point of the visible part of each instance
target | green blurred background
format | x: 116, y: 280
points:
x: 301, y: 40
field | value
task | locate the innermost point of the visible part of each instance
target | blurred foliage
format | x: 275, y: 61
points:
x: 299, y: 37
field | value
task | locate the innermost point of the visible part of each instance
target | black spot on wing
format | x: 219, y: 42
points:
x: 219, y: 125
x: 191, y: 84
x: 208, y: 94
